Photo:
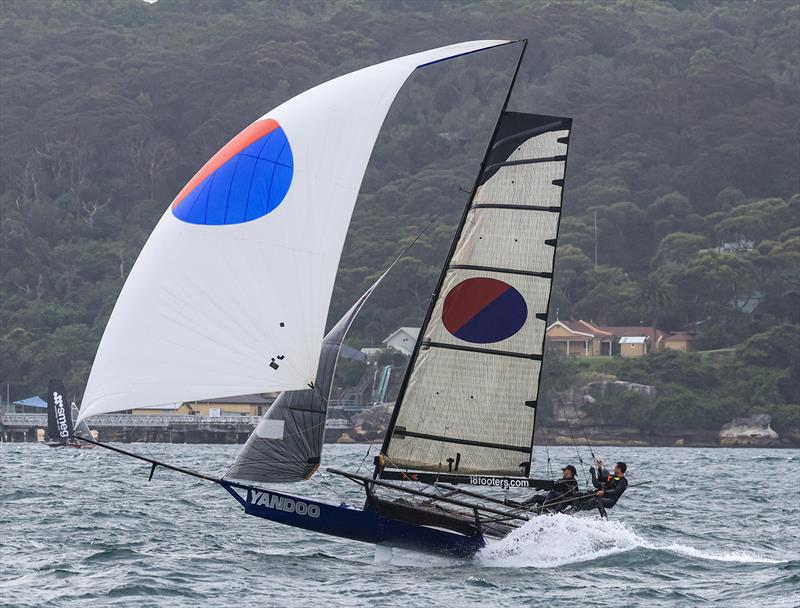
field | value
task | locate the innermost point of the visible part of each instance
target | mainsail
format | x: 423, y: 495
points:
x: 286, y: 445
x: 231, y: 291
x: 468, y: 403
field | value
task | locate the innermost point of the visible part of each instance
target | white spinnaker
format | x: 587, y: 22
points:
x: 206, y: 308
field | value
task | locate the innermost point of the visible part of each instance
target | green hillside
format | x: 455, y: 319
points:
x: 685, y: 137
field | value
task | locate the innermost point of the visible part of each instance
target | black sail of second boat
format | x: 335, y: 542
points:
x: 468, y: 402
x: 59, y: 414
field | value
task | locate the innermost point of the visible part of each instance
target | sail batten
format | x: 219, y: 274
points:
x: 231, y: 292
x: 468, y: 404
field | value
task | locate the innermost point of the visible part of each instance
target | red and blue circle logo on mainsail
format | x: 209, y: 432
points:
x: 484, y: 310
x: 245, y: 180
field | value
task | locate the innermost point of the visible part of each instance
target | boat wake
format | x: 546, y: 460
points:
x: 559, y: 540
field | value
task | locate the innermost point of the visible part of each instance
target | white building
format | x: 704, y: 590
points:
x: 403, y: 340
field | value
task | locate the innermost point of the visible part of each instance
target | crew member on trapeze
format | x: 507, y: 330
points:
x: 610, y: 487
x: 560, y: 493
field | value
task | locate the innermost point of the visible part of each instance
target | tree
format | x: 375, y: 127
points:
x: 656, y: 294
x: 677, y: 248
x: 755, y: 220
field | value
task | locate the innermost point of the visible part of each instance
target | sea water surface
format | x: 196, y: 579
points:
x: 85, y: 527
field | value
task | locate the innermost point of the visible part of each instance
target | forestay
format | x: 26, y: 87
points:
x: 469, y: 403
x: 81, y: 428
x: 231, y: 292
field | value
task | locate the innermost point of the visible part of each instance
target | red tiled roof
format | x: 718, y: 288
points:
x: 596, y: 329
x: 607, y: 331
x: 634, y: 330
x: 573, y: 325
x: 583, y: 327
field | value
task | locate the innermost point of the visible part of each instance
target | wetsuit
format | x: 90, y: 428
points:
x: 612, y: 486
x: 561, y: 489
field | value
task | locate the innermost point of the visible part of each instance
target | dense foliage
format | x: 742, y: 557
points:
x: 706, y: 390
x: 685, y: 137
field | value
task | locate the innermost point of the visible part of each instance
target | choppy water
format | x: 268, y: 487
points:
x: 80, y: 527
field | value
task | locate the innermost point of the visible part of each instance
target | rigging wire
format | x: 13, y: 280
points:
x: 397, y: 258
x: 323, y: 483
x: 575, y: 443
x: 578, y: 452
x: 549, y: 464
x: 583, y: 429
x: 369, y: 450
x: 420, y: 485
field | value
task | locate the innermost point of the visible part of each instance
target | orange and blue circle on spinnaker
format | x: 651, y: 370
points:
x: 245, y: 180
x: 484, y: 310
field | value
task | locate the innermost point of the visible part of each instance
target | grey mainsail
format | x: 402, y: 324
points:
x: 468, y: 403
x: 286, y: 446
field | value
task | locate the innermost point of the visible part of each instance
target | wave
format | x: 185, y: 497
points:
x: 770, y: 457
x: 559, y: 540
x: 741, y: 557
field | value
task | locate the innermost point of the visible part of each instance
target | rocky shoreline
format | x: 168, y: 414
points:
x: 559, y: 436
x: 740, y: 433
x: 750, y: 432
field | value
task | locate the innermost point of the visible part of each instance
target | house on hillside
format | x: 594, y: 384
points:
x: 403, y: 340
x: 580, y: 339
x: 634, y: 346
x: 740, y: 246
x: 680, y: 340
x: 637, y: 340
x: 586, y: 339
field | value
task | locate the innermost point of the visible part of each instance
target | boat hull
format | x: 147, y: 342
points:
x: 353, y: 523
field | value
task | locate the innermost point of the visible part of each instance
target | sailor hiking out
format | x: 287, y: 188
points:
x: 609, y: 486
x: 560, y: 491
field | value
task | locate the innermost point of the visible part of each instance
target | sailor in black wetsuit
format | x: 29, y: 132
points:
x: 561, y: 490
x: 609, y: 487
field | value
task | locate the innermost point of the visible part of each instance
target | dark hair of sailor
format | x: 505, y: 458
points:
x: 622, y: 466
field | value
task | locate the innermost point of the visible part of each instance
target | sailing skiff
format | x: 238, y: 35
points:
x: 60, y: 431
x: 230, y: 295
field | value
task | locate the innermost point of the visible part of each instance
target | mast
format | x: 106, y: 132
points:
x: 445, y: 266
